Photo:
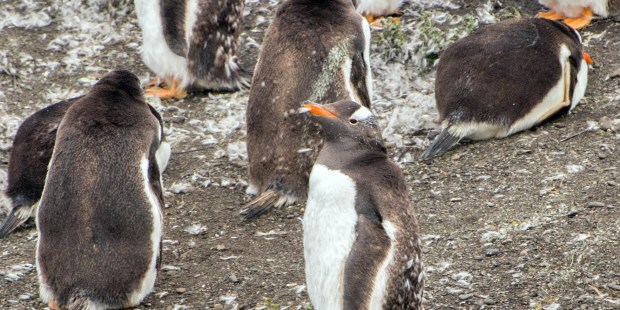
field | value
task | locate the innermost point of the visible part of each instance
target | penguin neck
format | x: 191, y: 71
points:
x: 339, y: 154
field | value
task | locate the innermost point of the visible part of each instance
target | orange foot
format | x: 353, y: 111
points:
x: 581, y: 21
x: 53, y: 305
x: 553, y: 15
x: 376, y: 22
x: 167, y: 92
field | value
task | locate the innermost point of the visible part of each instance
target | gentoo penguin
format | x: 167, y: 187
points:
x: 375, y: 10
x: 575, y: 13
x: 30, y: 156
x: 361, y: 241
x: 505, y: 78
x: 99, y: 218
x: 192, y: 44
x: 313, y: 50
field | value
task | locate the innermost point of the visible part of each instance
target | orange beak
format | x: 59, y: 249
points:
x: 587, y: 57
x: 316, y: 109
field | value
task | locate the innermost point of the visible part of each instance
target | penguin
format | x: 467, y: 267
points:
x: 313, y: 50
x: 100, y: 215
x: 192, y: 44
x: 506, y: 78
x: 30, y: 156
x: 575, y: 13
x: 375, y: 10
x: 360, y: 233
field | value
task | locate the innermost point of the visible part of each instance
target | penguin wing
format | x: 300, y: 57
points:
x: 361, y: 79
x: 365, y: 259
x: 173, y: 25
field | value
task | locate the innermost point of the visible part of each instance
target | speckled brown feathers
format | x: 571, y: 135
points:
x: 302, y: 58
x: 101, y: 203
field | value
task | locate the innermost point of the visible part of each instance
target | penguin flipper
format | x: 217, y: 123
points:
x: 444, y: 141
x: 18, y: 215
x: 260, y: 205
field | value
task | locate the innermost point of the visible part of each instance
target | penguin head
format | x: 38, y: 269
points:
x: 346, y: 121
x: 120, y: 80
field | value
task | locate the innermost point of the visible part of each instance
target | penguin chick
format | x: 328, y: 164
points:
x: 575, y: 13
x: 313, y: 50
x: 361, y: 240
x: 192, y: 44
x: 99, y: 219
x: 375, y: 10
x: 505, y: 78
x: 30, y: 156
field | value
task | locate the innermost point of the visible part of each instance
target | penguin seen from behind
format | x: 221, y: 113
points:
x: 313, y: 50
x: 361, y: 240
x: 99, y: 218
x: 505, y: 78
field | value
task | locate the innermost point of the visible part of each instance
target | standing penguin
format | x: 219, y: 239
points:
x: 99, y: 218
x: 313, y: 50
x: 575, y: 13
x: 505, y: 78
x: 192, y: 44
x: 30, y: 156
x: 361, y: 242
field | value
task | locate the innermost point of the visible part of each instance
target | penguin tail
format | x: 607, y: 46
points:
x: 444, y: 141
x: 83, y: 303
x: 264, y: 203
x: 18, y: 215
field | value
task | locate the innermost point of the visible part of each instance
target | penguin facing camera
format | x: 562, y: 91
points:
x: 361, y: 239
x: 313, y: 50
x: 506, y: 78
x: 192, y: 44
x: 99, y: 219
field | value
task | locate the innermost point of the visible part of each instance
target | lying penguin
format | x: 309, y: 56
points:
x: 361, y: 240
x: 192, y: 44
x: 313, y: 50
x: 505, y: 78
x: 99, y: 219
x: 375, y: 10
x: 30, y: 156
x: 575, y: 13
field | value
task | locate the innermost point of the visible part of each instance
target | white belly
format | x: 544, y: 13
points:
x: 378, y: 7
x: 155, y: 51
x: 329, y: 232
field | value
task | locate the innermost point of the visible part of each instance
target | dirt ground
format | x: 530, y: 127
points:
x: 527, y: 222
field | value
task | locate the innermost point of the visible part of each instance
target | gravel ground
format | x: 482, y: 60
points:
x: 527, y: 222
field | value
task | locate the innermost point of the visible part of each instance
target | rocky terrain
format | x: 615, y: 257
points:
x: 527, y: 222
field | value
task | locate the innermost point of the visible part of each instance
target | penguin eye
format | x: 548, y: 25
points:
x: 353, y: 121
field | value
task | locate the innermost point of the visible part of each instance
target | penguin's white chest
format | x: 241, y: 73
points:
x: 329, y: 233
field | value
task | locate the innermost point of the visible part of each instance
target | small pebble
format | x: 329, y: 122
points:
x: 614, y: 286
x: 456, y: 199
x: 220, y: 247
x: 181, y: 290
x: 178, y: 119
x: 595, y: 204
x: 492, y: 252
x: 601, y: 155
x: 489, y: 301
x: 606, y: 123
x: 233, y: 278
x: 465, y: 296
x: 24, y: 297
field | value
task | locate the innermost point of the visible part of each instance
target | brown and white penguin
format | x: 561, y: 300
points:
x: 575, y: 13
x: 192, y: 44
x: 361, y: 240
x: 99, y: 217
x: 375, y: 10
x: 505, y: 78
x: 313, y: 50
x: 30, y: 156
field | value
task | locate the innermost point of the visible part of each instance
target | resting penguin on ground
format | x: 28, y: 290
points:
x: 375, y: 10
x: 313, y: 50
x: 99, y: 218
x: 575, y: 13
x: 192, y: 44
x: 361, y: 242
x: 506, y: 78
x: 30, y: 156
